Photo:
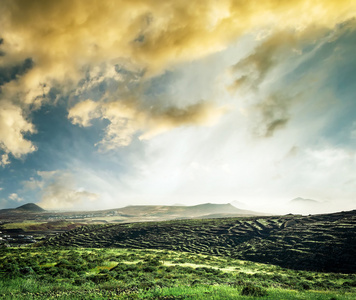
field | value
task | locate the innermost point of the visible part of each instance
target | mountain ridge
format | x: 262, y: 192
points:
x: 304, y: 200
x: 195, y: 211
x: 133, y: 213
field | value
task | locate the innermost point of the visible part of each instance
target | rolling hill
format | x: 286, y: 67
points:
x: 30, y: 207
x: 26, y: 208
x: 183, y: 212
x: 134, y: 213
x: 316, y: 242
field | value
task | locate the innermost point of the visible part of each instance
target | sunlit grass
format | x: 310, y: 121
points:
x: 22, y: 225
x: 43, y: 273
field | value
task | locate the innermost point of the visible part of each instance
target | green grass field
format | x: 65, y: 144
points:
x: 81, y: 273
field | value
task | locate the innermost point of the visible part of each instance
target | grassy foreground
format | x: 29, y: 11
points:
x: 43, y: 273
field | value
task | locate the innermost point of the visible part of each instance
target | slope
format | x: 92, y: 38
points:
x: 319, y: 243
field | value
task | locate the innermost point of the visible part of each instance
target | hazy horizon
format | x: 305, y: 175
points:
x: 286, y: 208
x: 115, y: 103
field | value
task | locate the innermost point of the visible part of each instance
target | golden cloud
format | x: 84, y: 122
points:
x: 127, y: 118
x: 83, y: 112
x: 64, y: 37
x: 12, y: 127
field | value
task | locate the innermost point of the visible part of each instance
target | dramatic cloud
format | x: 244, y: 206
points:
x: 46, y: 43
x: 127, y: 118
x: 9, y: 73
x: 156, y: 35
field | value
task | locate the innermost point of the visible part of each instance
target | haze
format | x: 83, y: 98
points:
x: 112, y: 103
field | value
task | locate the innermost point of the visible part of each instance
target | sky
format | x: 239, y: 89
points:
x: 105, y: 104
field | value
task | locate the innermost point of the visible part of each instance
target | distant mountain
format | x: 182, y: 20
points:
x: 30, y: 207
x: 174, y: 212
x: 22, y: 210
x: 135, y: 213
x: 238, y: 204
x: 303, y: 205
x: 209, y: 208
x: 303, y: 200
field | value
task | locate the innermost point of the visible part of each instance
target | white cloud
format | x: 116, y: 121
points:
x: 59, y: 190
x: 13, y: 126
x: 83, y: 112
x: 331, y: 157
x: 15, y: 197
x: 4, y: 160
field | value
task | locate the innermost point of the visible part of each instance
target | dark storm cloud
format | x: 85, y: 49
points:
x: 2, y: 53
x: 8, y: 73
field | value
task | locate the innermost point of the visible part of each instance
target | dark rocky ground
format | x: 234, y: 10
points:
x: 324, y: 243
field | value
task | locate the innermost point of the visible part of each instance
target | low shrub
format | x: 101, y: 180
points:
x: 253, y: 290
x: 100, y: 278
x: 303, y: 286
x: 79, y: 281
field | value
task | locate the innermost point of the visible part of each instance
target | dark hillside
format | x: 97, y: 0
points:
x: 320, y: 242
x: 22, y: 210
x: 30, y: 207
